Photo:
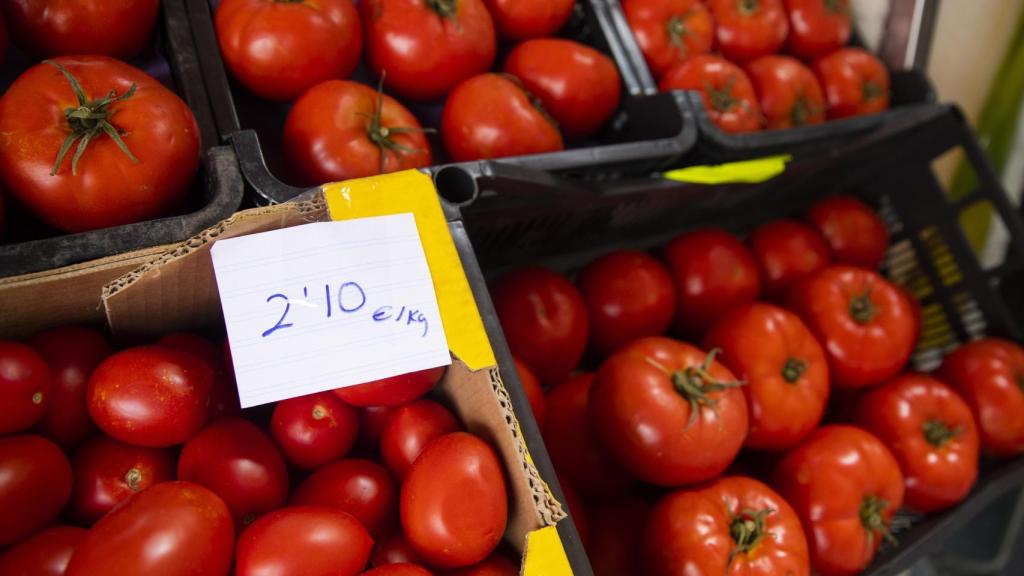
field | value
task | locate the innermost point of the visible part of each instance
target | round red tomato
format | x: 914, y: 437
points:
x: 786, y: 252
x: 668, y: 412
x: 403, y: 569
x: 747, y: 29
x: 932, y: 434
x: 46, y: 553
x: 523, y: 19
x: 314, y: 430
x: 454, y: 505
x: 359, y: 487
x: 534, y: 393
x: 988, y: 374
x: 278, y: 50
x: 728, y: 95
x: 35, y: 483
x: 817, y: 27
x: 240, y: 464
x: 393, y: 391
x: 845, y: 485
x: 394, y: 550
x: 223, y: 395
x: 784, y: 368
x: 733, y: 526
x: 713, y: 273
x: 118, y: 29
x: 669, y: 31
x: 408, y: 429
x: 372, y: 420
x: 615, y: 541
x: 493, y: 565
x: 25, y: 387
x: 865, y: 324
x: 340, y: 130
x: 307, y: 540
x: 150, y: 396
x: 107, y: 472
x: 424, y: 49
x: 855, y: 83
x: 492, y: 116
x: 854, y: 233
x: 577, y: 85
x: 628, y: 295
x: 788, y: 92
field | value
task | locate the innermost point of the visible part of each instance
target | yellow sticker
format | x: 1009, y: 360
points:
x: 545, y: 555
x: 744, y: 172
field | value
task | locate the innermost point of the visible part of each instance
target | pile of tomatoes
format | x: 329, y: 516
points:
x: 141, y: 462
x: 723, y: 454
x: 748, y: 85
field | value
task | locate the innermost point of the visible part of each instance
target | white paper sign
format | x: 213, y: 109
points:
x: 327, y: 305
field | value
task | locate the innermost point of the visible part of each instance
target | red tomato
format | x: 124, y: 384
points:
x: 713, y: 272
x: 817, y: 27
x: 240, y: 464
x: 747, y: 29
x: 668, y: 412
x: 728, y: 95
x: 107, y: 472
x: 403, y: 569
x: 223, y: 394
x: 534, y: 393
x: 492, y: 116
x: 279, y: 50
x: 372, y: 420
x: 931, y: 433
x: 628, y: 295
x: 615, y: 541
x: 35, y: 483
x: 47, y: 553
x: 574, y: 507
x: 118, y: 29
x: 988, y: 374
x: 573, y: 447
x: 307, y: 540
x: 788, y: 92
x: 544, y: 320
x: 453, y: 503
x: 524, y: 19
x: 359, y: 487
x: 427, y: 48
x: 314, y: 430
x: 733, y: 526
x: 394, y: 550
x: 393, y: 391
x: 577, y: 85
x: 150, y: 396
x: 855, y: 83
x: 864, y: 323
x: 854, y: 233
x: 339, y: 130
x: 493, y: 565
x: 669, y: 31
x: 845, y: 486
x: 25, y: 387
x: 786, y: 252
x: 107, y: 185
x: 408, y: 429
x: 784, y: 368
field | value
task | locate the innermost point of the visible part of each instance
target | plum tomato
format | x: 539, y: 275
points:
x: 359, y: 487
x: 35, y: 484
x: 314, y: 430
x: 408, y: 429
x: 223, y: 394
x: 393, y: 391
x: 395, y: 549
x: 307, y: 540
x: 108, y: 472
x: 26, y: 384
x: 45, y: 553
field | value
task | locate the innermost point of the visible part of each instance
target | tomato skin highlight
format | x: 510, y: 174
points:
x: 108, y: 472
x: 35, y: 484
x: 26, y: 385
x: 45, y: 553
x: 669, y: 31
x: 854, y: 233
x: 525, y: 19
x: 393, y: 391
x: 117, y: 29
x: 314, y: 430
x: 307, y: 540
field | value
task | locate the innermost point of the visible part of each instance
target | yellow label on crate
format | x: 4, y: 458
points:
x: 744, y: 172
x: 545, y: 555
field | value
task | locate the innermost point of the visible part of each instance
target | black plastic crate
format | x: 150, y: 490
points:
x: 216, y: 193
x: 647, y: 133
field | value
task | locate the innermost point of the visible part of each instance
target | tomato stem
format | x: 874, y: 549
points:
x: 748, y: 529
x: 872, y: 90
x: 447, y: 9
x: 721, y: 98
x: 937, y: 433
x: 319, y: 413
x: 801, y: 111
x: 677, y: 33
x: 381, y: 135
x: 748, y: 7
x: 37, y: 398
x: 133, y: 478
x: 793, y: 369
x: 695, y: 385
x: 862, y: 309
x: 871, y: 509
x: 837, y: 6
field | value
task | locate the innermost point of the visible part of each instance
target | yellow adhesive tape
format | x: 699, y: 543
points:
x: 744, y: 172
x: 545, y: 555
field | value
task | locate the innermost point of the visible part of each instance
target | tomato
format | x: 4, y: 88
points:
x: 395, y: 549
x: 713, y: 273
x: 784, y: 367
x: 408, y: 429
x: 25, y: 387
x: 988, y: 374
x: 493, y: 565
x: 854, y: 233
x: 628, y: 295
x: 669, y: 31
x: 932, y: 434
x: 403, y: 569
x: 424, y: 49
x: 359, y: 487
x: 817, y: 27
x: 372, y: 420
x: 668, y: 412
x: 454, y: 505
x: 46, y: 553
x: 223, y: 394
x: 35, y: 483
x: 119, y: 29
x: 524, y: 19
x: 393, y: 391
x: 534, y: 393
x: 307, y: 540
x: 788, y: 92
x: 845, y: 486
x: 577, y: 85
x: 728, y: 95
x: 747, y: 29
x: 615, y: 542
x: 492, y: 116
x: 314, y: 430
x: 544, y: 320
x: 786, y: 252
x: 339, y: 130
x: 107, y: 472
x: 864, y: 323
x: 855, y: 83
